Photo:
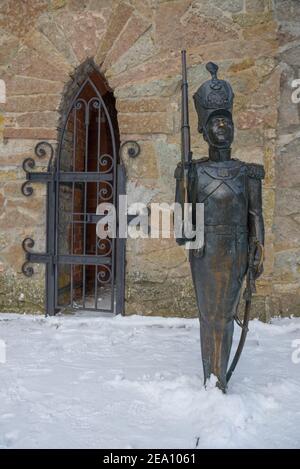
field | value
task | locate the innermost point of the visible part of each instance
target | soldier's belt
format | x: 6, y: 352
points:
x: 226, y: 229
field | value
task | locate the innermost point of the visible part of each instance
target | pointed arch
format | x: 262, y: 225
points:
x: 86, y: 175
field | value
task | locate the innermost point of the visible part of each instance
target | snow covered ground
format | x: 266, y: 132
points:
x: 136, y: 382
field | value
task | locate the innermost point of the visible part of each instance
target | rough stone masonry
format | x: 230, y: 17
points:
x: 136, y: 44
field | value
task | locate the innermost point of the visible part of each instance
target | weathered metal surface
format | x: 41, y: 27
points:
x: 231, y: 193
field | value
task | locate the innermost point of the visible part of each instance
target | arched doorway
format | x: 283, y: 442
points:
x: 83, y: 272
x: 86, y: 176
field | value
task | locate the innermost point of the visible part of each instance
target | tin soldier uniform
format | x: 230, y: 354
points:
x: 230, y: 190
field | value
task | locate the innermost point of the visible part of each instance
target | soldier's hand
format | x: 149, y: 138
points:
x: 181, y: 241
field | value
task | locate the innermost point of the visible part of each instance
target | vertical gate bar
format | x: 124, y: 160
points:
x: 97, y: 201
x: 71, y: 286
x: 84, y: 241
x: 96, y: 289
x: 112, y: 282
x: 56, y: 226
x: 72, y: 244
x: 73, y: 195
x: 120, y: 246
x: 87, y: 110
x: 50, y: 239
x: 47, y: 266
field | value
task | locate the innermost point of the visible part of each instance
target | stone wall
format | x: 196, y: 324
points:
x: 136, y: 44
x: 286, y: 276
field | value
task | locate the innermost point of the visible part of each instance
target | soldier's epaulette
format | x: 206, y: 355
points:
x: 178, y: 169
x: 255, y: 171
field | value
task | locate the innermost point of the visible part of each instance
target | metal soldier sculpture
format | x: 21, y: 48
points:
x: 230, y: 190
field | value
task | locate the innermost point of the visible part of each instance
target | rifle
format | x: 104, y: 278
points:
x: 186, y: 154
x: 249, y: 290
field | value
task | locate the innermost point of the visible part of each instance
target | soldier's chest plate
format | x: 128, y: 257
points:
x: 227, y: 183
x: 223, y: 190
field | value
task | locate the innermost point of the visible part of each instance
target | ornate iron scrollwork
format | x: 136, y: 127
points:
x: 106, y: 191
x: 133, y: 148
x: 104, y: 246
x: 105, y: 163
x: 27, y: 269
x: 104, y: 275
x: 28, y: 165
x: 96, y: 103
x: 41, y: 150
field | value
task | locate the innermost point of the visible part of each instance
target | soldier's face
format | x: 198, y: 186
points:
x: 220, y: 130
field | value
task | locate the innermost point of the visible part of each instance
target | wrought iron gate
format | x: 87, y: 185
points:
x: 82, y: 271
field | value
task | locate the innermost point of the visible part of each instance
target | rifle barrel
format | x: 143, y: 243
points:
x: 185, y: 127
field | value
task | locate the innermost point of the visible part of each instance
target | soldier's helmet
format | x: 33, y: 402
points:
x: 213, y: 97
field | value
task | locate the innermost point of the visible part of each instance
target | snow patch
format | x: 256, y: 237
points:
x: 136, y: 382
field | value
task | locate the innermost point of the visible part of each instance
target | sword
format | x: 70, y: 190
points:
x: 249, y: 290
